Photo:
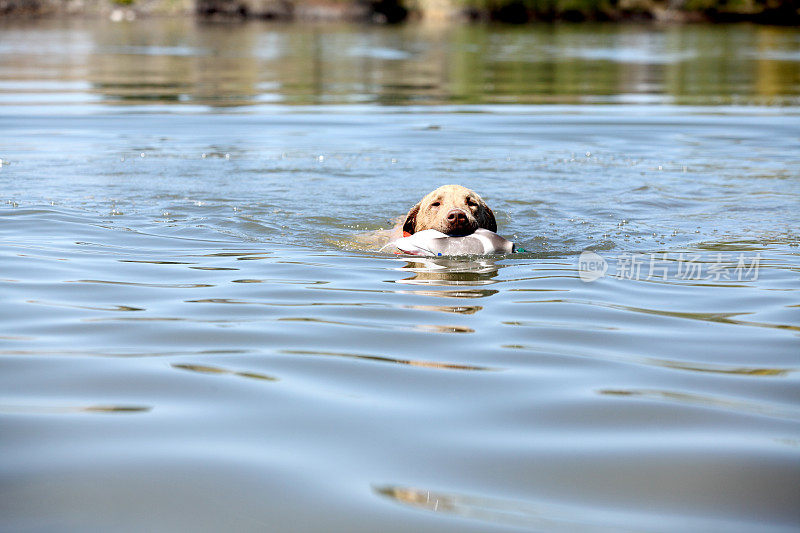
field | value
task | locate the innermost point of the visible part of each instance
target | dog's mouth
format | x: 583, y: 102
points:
x: 460, y: 230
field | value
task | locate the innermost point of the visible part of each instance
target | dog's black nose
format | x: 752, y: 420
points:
x: 457, y: 216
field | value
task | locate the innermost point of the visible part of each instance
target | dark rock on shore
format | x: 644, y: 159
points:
x: 256, y: 9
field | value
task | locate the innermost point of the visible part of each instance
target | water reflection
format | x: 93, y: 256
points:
x: 205, y: 369
x: 457, y: 309
x: 182, y: 62
x: 125, y: 308
x: 139, y: 284
x: 704, y: 400
x: 439, y: 328
x: 394, y: 360
x: 722, y: 369
x: 447, y: 272
x: 61, y: 409
x: 444, y: 272
x: 721, y: 318
x: 120, y: 353
x: 673, y: 364
x: 544, y: 516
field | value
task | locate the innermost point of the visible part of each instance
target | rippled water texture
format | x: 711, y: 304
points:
x: 198, y: 332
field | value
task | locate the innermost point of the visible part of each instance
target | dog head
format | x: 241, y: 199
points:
x: 451, y: 209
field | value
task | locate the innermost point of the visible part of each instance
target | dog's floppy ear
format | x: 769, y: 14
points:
x: 409, y: 226
x: 489, y: 221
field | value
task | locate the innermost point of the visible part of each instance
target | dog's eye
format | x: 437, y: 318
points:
x: 471, y: 202
x: 435, y: 204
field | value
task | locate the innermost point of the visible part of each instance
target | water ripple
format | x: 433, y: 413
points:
x: 384, y: 359
x: 704, y: 400
x: 205, y: 369
x: 61, y: 409
x: 721, y: 317
x: 539, y: 516
x: 140, y: 284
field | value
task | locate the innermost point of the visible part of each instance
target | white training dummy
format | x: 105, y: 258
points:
x: 435, y: 243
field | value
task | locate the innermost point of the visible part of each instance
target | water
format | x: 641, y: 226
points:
x: 197, y: 332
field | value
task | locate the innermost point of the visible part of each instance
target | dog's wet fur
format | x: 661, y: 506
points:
x: 451, y: 209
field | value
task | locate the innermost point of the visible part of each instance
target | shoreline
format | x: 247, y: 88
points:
x: 397, y: 11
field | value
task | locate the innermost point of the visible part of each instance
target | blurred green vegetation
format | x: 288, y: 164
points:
x: 470, y: 64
